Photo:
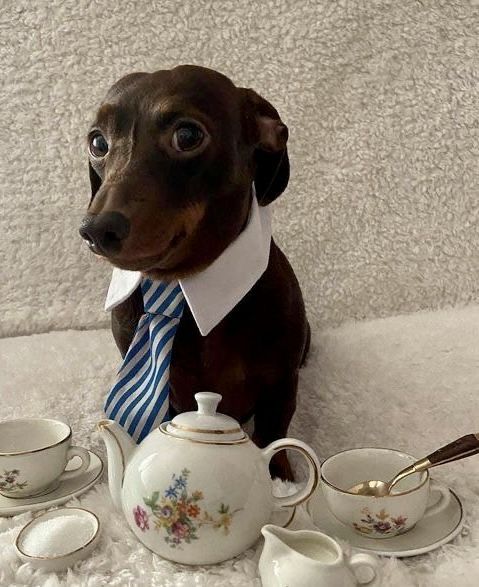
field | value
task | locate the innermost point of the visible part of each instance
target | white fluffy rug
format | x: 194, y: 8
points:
x: 409, y: 382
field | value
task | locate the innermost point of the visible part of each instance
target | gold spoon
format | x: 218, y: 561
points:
x: 466, y: 446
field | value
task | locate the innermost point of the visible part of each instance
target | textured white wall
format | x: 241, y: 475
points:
x: 382, y: 102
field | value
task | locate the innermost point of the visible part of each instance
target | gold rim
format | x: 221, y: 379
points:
x: 50, y: 489
x: 105, y: 425
x: 324, y: 480
x: 203, y: 430
x: 51, y: 558
x: 224, y: 443
x: 291, y: 518
x: 27, y: 452
x: 315, y: 482
x: 315, y: 469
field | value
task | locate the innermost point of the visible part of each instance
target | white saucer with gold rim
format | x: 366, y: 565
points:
x: 67, y: 489
x: 428, y: 534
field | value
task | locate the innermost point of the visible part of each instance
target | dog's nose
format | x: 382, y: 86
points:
x: 104, y: 232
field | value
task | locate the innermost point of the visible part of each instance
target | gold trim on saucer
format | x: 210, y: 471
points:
x: 325, y: 521
x: 46, y: 491
x: 12, y: 507
x: 203, y: 430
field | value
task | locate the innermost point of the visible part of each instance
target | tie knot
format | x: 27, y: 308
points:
x: 162, y: 297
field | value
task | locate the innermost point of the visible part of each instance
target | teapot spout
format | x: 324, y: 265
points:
x: 119, y: 446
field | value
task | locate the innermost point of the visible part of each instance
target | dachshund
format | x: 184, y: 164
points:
x: 173, y: 156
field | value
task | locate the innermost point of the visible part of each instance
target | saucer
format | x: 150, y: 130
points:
x: 428, y: 534
x: 65, y: 491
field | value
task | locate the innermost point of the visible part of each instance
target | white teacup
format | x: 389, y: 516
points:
x: 379, y: 517
x: 33, y: 455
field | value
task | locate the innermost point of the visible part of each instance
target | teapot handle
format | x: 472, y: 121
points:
x: 313, y: 469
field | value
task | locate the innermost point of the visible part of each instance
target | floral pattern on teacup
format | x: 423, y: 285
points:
x: 180, y: 513
x: 9, y: 481
x: 380, y: 523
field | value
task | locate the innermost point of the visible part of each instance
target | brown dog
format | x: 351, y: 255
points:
x: 173, y: 155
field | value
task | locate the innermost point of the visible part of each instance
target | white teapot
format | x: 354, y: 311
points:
x: 197, y: 490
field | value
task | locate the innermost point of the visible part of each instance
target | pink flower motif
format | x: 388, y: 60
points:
x: 141, y: 518
x: 382, y: 527
x: 399, y: 521
x: 180, y: 530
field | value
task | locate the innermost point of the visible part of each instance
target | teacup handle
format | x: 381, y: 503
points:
x: 313, y: 469
x: 432, y: 510
x: 365, y: 560
x: 76, y: 451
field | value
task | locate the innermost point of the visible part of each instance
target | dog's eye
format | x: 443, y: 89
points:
x: 187, y: 137
x: 98, y: 145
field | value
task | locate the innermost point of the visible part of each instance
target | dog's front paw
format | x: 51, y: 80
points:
x: 281, y: 467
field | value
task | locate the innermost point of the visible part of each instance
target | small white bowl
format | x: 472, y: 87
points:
x: 63, y: 561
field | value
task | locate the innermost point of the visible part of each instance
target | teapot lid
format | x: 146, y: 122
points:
x: 206, y: 424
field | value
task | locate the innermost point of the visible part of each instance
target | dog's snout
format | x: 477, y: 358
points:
x: 105, y: 232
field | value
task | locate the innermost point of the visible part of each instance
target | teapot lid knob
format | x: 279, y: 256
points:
x: 207, y: 402
x: 206, y: 424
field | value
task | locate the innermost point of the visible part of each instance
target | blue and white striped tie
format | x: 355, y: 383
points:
x: 139, y: 399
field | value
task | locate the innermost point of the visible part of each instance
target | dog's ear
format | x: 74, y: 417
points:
x: 95, y: 181
x: 269, y: 136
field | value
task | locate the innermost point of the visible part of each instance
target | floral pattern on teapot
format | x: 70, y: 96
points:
x: 180, y: 513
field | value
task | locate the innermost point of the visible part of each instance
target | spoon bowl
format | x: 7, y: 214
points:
x: 375, y: 488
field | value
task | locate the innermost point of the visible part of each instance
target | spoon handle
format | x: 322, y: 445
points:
x: 466, y: 446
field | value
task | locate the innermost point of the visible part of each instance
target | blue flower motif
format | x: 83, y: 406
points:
x: 171, y: 492
x: 180, y: 483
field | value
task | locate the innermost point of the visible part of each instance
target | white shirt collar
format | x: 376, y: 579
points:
x: 215, y: 291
